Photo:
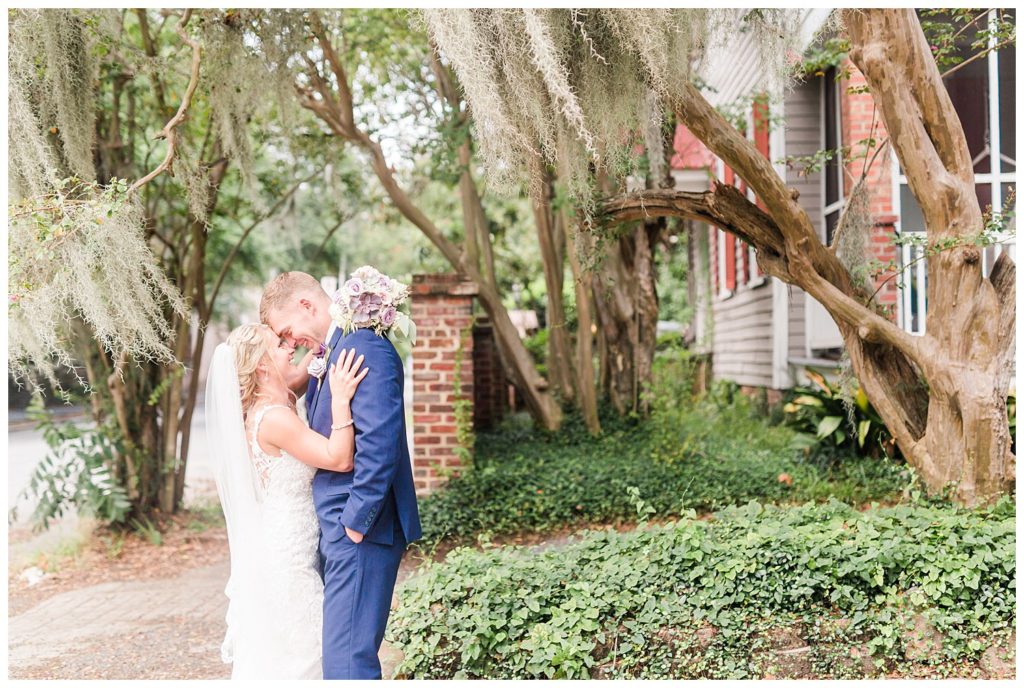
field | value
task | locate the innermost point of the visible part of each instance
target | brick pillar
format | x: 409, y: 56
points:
x: 490, y: 386
x: 442, y: 308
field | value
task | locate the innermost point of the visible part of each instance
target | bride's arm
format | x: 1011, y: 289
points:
x: 284, y: 430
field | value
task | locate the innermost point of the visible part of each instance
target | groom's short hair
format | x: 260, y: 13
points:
x: 283, y: 288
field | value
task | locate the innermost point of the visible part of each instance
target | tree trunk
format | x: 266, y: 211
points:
x: 627, y: 304
x: 559, y: 363
x: 968, y: 349
x: 587, y: 385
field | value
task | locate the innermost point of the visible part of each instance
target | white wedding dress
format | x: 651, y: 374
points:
x: 275, y: 608
x: 292, y: 541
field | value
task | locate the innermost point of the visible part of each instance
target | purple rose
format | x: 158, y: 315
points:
x: 388, y: 316
x: 354, y: 286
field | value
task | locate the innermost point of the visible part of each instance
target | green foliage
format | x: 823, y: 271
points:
x: 633, y: 603
x: 76, y: 473
x: 462, y: 406
x: 148, y: 530
x: 818, y: 58
x: 957, y: 35
x: 831, y: 417
x: 537, y: 345
x: 673, y: 271
x: 688, y: 455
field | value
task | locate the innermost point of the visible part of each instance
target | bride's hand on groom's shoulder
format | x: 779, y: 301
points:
x: 345, y: 375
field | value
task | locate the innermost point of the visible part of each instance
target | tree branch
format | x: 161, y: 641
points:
x: 327, y: 237
x: 248, y: 230
x: 1004, y: 280
x: 724, y: 207
x: 168, y: 132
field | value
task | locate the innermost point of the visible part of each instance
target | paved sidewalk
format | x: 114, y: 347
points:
x: 153, y: 629
x: 168, y: 628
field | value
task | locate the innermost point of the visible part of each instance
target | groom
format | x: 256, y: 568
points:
x: 369, y: 515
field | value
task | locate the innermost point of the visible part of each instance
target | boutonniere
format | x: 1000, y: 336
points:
x: 318, y: 366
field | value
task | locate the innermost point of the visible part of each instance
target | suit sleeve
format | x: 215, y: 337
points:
x: 377, y: 412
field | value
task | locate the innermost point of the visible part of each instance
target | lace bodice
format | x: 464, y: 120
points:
x: 292, y: 534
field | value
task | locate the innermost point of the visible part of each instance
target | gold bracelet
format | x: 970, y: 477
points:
x: 341, y: 426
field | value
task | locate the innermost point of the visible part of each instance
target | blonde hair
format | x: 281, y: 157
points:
x: 249, y: 345
x: 283, y: 288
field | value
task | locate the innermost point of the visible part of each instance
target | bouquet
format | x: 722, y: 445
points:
x: 372, y: 299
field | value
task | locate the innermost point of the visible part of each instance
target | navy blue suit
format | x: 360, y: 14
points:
x: 377, y: 499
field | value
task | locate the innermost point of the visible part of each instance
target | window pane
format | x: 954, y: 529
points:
x: 832, y: 167
x: 1008, y: 104
x: 911, y: 217
x: 968, y: 89
x: 1009, y: 190
x: 831, y: 220
x: 984, y: 193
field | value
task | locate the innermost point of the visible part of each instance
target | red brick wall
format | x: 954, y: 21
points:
x: 442, y: 308
x: 858, y: 114
x: 490, y: 386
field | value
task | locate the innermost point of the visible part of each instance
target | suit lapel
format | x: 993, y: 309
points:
x: 320, y: 384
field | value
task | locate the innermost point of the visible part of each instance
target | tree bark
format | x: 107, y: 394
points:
x: 586, y: 382
x: 627, y: 304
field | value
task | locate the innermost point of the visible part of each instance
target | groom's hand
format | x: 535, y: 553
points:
x: 354, y: 535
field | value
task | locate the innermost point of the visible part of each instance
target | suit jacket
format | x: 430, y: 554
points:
x: 379, y: 493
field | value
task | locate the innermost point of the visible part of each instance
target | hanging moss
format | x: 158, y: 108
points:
x: 63, y: 224
x: 583, y: 88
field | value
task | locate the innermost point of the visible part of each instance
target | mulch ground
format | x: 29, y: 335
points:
x: 188, y: 541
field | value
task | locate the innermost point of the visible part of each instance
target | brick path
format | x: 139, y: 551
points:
x: 153, y: 629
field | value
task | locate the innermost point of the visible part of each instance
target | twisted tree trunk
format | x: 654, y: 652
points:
x: 627, y: 306
x: 968, y: 350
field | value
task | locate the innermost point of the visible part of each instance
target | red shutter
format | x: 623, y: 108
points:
x: 713, y: 257
x: 730, y: 261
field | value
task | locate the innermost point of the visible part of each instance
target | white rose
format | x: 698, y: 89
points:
x: 317, y: 367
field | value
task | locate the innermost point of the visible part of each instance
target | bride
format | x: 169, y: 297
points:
x: 264, y: 459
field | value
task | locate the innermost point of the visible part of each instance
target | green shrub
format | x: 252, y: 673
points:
x: 77, y: 472
x: 823, y: 412
x: 537, y: 345
x: 637, y: 604
x: 688, y: 455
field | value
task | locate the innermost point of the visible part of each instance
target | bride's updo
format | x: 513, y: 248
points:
x: 249, y: 345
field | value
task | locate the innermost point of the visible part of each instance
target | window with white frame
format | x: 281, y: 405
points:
x: 983, y: 93
x: 832, y: 136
